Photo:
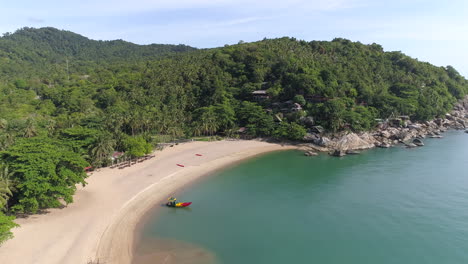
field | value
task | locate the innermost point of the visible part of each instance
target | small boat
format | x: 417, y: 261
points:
x: 198, y: 155
x: 180, y: 165
x: 169, y: 204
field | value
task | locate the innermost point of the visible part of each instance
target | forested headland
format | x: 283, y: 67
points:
x: 68, y: 102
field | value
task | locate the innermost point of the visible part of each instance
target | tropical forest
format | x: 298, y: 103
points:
x: 68, y: 102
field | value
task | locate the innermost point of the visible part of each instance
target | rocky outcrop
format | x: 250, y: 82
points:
x: 354, y: 141
x: 310, y: 153
x: 338, y: 153
x: 389, y: 133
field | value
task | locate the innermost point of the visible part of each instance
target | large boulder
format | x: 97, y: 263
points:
x: 324, y: 142
x: 459, y: 107
x: 405, y: 134
x: 418, y: 142
x: 414, y: 126
x: 317, y: 129
x: 310, y: 153
x: 353, y: 141
x: 384, y: 145
x: 385, y: 134
x: 439, y: 121
x: 338, y: 153
x: 307, y: 121
x: 368, y: 137
x: 311, y: 137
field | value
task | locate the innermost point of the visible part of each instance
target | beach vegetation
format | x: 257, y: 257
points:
x: 45, y: 172
x: 6, y: 224
x: 67, y: 102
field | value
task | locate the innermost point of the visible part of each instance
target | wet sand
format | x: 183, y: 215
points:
x: 169, y: 251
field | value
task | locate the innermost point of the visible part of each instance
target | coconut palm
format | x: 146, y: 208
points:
x: 6, y: 185
x: 30, y: 129
x: 3, y: 124
x: 175, y: 132
x: 102, y: 149
x: 51, y: 126
x: 6, y: 140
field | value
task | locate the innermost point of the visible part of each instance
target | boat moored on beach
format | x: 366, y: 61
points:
x: 172, y: 203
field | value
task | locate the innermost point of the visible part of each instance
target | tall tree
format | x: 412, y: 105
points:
x: 6, y: 186
x: 46, y: 171
x: 30, y: 130
x: 101, y: 150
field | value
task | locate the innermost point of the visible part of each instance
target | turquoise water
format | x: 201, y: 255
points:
x: 384, y: 206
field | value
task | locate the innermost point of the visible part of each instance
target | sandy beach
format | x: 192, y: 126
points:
x: 101, y: 223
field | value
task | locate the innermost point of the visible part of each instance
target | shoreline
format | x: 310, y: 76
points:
x: 101, y: 223
x: 112, y: 249
x: 160, y: 204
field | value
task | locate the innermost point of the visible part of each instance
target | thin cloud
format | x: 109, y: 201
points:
x: 36, y: 20
x: 123, y: 7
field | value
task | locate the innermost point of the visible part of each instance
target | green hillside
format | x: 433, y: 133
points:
x: 67, y: 101
x: 46, y: 50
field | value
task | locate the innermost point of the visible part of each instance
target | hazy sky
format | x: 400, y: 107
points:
x: 430, y: 30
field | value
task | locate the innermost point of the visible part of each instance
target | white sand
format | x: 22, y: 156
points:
x: 100, y: 224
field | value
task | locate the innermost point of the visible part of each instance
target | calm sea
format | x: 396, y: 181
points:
x: 384, y: 206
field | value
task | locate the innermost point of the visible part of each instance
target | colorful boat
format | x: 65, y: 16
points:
x: 170, y: 204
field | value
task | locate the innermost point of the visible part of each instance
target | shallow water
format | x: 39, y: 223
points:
x: 384, y: 206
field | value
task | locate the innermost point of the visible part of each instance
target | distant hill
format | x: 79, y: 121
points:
x: 38, y: 48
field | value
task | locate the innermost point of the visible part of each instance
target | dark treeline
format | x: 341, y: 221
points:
x: 67, y: 102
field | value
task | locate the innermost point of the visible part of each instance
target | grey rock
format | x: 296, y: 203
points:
x: 323, y: 141
x: 338, y: 153
x: 307, y: 121
x: 317, y: 129
x: 310, y: 153
x: 384, y: 145
x: 385, y: 134
x: 418, y: 142
x: 311, y: 137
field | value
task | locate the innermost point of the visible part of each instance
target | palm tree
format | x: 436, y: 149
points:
x: 102, y: 149
x: 6, y: 140
x: 51, y: 125
x: 175, y: 132
x: 6, y: 185
x: 30, y: 130
x: 3, y: 124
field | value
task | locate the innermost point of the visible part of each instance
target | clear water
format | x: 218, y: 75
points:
x: 384, y: 206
